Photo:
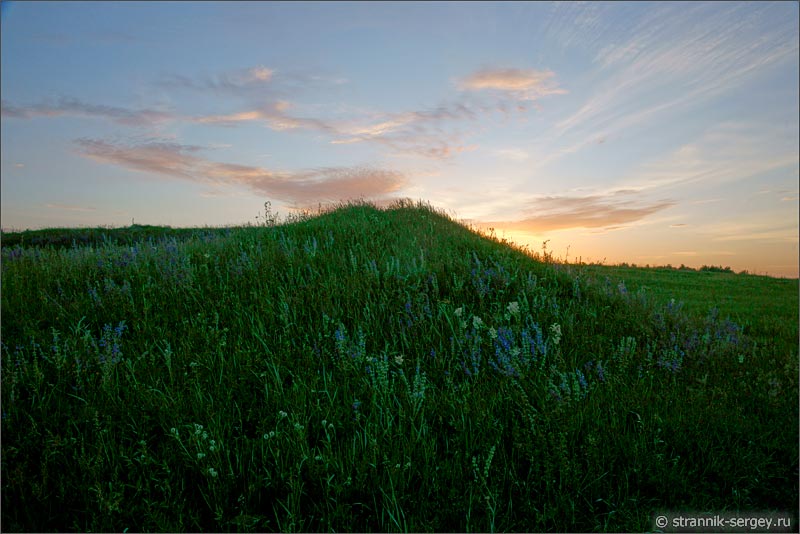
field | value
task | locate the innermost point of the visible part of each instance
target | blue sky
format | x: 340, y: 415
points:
x: 648, y: 133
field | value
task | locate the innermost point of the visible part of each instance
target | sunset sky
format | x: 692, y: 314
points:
x: 647, y: 133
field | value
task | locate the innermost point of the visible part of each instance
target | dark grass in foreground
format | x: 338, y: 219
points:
x: 372, y: 370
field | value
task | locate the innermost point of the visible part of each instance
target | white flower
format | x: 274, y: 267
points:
x: 174, y: 431
x: 283, y: 414
x: 492, y: 333
x: 398, y: 360
x: 212, y: 472
x: 555, y: 332
x: 477, y: 322
x: 458, y: 312
x: 513, y: 308
x: 200, y: 455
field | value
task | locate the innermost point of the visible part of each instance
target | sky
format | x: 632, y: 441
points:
x: 650, y: 133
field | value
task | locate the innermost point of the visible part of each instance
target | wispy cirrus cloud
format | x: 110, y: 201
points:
x: 77, y: 108
x: 439, y: 132
x: 669, y: 58
x: 234, y: 81
x: 425, y: 133
x: 725, y: 153
x: 522, y: 84
x: 323, y: 184
x: 253, y: 83
x: 432, y: 133
x: 274, y: 115
x: 606, y: 211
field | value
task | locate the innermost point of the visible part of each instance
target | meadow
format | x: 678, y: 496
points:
x: 382, y: 370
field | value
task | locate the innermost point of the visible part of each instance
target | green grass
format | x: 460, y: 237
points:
x: 382, y: 370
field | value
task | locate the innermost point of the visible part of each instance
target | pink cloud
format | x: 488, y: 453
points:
x: 597, y: 211
x: 524, y: 84
x: 325, y: 184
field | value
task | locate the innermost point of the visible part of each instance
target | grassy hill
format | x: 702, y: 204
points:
x: 382, y: 370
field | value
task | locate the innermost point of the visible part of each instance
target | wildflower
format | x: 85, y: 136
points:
x: 356, y: 405
x: 505, y: 338
x: 120, y: 328
x: 200, y: 455
x: 458, y: 312
x: 513, y: 308
x: 282, y: 414
x: 212, y: 472
x: 477, y: 322
x: 174, y: 431
x: 492, y: 333
x: 555, y: 332
x: 398, y: 360
x: 581, y: 379
x: 339, y: 334
x: 601, y: 373
x: 298, y: 427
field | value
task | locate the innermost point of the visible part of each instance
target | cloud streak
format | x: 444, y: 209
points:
x: 232, y: 82
x: 671, y: 57
x: 437, y: 132
x: 76, y: 108
x: 522, y: 84
x: 323, y: 184
x: 423, y: 133
x: 430, y: 133
x: 595, y: 211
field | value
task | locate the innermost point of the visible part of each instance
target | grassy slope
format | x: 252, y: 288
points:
x: 368, y: 370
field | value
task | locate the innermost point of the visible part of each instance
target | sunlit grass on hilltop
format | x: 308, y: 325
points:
x: 378, y: 370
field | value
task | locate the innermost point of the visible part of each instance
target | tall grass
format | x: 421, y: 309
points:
x: 372, y: 370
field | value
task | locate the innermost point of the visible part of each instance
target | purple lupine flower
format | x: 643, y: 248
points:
x: 120, y: 328
x: 601, y: 373
x: 582, y: 380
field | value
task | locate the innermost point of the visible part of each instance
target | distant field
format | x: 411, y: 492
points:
x: 382, y: 370
x: 766, y: 307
